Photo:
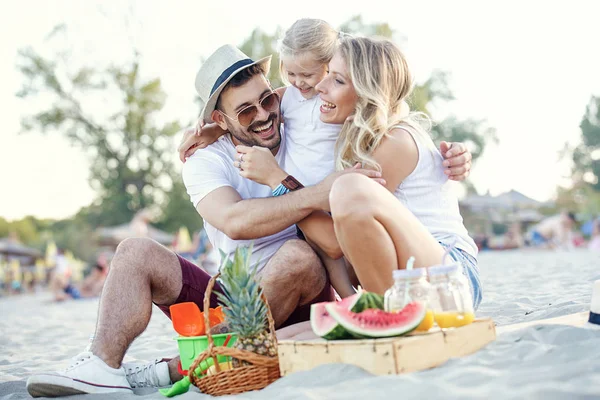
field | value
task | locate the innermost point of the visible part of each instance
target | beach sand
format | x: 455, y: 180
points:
x: 519, y: 286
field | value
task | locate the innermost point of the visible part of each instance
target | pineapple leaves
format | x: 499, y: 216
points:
x: 244, y: 309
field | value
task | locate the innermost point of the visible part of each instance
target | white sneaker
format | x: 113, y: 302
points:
x: 87, y: 374
x: 154, y: 374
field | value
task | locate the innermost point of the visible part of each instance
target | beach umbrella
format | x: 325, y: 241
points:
x: 51, y: 252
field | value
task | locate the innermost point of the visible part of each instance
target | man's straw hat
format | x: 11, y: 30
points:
x: 217, y: 70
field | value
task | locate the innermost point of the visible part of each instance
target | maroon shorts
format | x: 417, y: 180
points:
x: 195, y: 282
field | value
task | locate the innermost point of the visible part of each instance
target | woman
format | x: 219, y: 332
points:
x: 415, y: 213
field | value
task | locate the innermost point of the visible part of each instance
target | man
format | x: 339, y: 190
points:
x: 236, y: 211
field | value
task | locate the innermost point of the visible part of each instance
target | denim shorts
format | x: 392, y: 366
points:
x: 470, y: 270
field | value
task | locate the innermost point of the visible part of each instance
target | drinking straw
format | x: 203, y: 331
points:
x: 409, y: 267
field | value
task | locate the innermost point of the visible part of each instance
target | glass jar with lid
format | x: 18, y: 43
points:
x: 410, y: 286
x: 453, y: 305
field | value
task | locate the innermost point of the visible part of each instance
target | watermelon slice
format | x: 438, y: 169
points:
x: 326, y: 327
x: 376, y: 323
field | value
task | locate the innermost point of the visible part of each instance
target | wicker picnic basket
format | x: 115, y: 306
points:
x: 256, y: 373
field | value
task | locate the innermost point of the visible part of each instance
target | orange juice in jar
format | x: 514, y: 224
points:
x: 454, y: 303
x: 410, y: 286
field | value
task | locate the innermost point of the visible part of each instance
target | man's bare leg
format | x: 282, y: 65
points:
x: 142, y: 271
x: 293, y: 277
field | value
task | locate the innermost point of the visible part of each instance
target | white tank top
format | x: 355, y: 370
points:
x: 430, y: 196
x: 310, y: 143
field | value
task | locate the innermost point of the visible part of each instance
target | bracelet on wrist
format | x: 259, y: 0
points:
x: 280, y: 190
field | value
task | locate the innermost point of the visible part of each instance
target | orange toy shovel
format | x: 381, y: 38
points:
x: 187, y: 319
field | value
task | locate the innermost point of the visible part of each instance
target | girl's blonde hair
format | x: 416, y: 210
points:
x: 308, y: 35
x: 382, y: 80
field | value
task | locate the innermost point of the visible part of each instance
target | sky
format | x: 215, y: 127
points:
x: 528, y: 68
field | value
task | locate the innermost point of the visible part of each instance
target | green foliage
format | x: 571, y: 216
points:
x: 130, y: 152
x: 260, y: 44
x: 178, y: 211
x: 74, y: 234
x: 4, y: 227
x: 586, y: 156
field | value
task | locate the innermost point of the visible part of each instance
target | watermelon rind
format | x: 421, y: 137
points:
x: 375, y: 323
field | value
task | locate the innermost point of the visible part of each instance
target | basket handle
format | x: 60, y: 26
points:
x: 206, y: 308
x: 270, y: 320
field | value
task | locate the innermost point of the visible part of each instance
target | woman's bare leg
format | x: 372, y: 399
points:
x: 377, y: 233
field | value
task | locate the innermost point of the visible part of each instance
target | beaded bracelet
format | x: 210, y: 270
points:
x: 280, y: 190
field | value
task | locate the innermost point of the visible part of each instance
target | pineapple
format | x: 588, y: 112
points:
x: 244, y: 310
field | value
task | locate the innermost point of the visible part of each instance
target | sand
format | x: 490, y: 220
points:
x: 519, y: 286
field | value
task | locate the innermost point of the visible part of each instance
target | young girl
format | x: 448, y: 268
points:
x: 305, y: 51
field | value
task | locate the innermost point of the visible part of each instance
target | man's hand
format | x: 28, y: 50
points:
x: 198, y: 137
x: 259, y: 165
x: 457, y: 163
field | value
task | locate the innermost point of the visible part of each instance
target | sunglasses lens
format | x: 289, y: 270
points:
x: 246, y: 116
x: 270, y: 102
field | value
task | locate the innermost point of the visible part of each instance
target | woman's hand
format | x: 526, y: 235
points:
x: 258, y: 164
x: 457, y: 160
x: 201, y: 136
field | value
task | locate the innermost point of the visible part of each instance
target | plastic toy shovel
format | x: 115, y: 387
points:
x: 179, y: 387
x: 187, y: 319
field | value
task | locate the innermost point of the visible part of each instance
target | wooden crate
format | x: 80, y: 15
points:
x: 577, y: 319
x: 391, y: 355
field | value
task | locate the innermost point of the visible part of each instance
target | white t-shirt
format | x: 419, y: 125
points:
x: 310, y: 143
x: 211, y: 168
x: 431, y: 197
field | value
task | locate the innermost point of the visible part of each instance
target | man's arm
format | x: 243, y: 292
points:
x: 248, y: 219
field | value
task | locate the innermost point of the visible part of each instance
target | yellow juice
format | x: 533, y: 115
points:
x: 427, y: 322
x: 453, y: 319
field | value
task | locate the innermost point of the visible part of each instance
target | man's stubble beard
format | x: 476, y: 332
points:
x: 246, y: 137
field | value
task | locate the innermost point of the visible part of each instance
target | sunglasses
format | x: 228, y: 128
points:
x: 245, y: 116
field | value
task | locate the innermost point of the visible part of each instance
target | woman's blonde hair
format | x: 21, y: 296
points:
x: 382, y: 80
x: 308, y: 36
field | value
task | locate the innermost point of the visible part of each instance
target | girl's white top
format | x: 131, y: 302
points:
x: 430, y: 196
x: 310, y: 143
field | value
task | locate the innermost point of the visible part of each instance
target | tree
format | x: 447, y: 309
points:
x: 586, y: 156
x: 4, y: 227
x: 130, y: 152
x: 260, y: 44
x: 475, y: 133
x: 178, y: 211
